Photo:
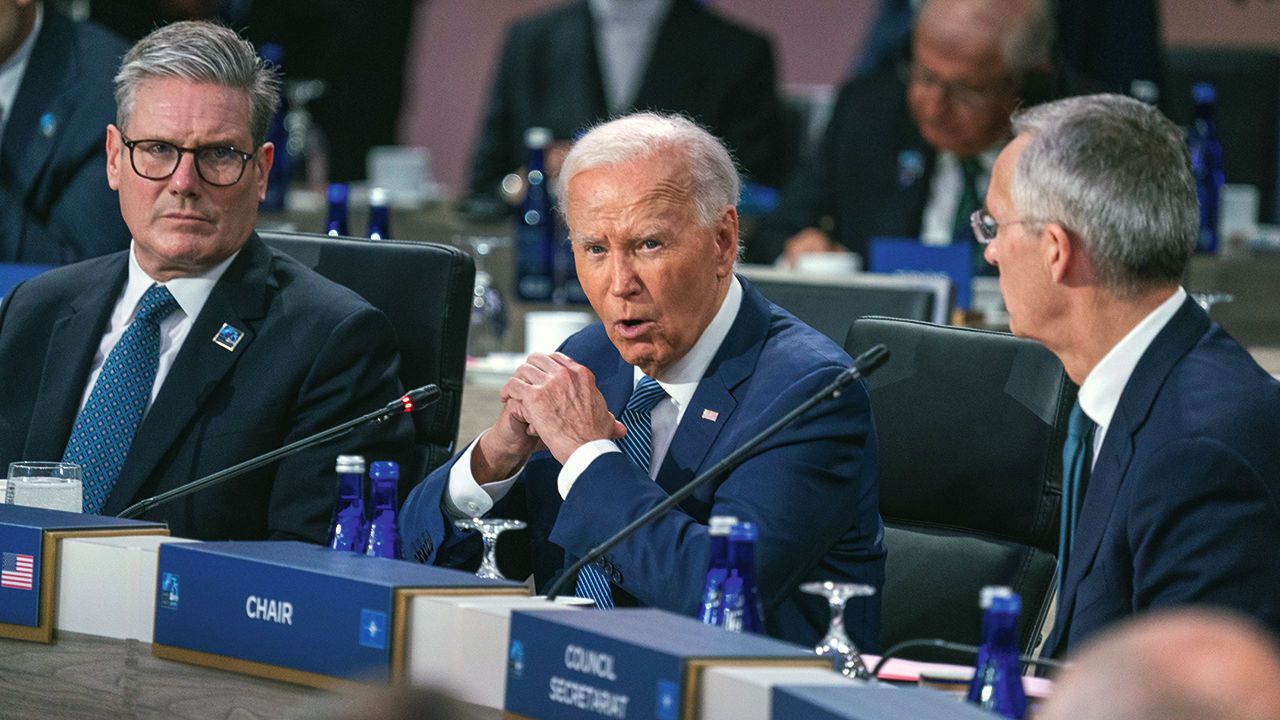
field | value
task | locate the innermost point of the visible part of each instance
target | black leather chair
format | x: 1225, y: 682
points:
x: 970, y: 427
x: 425, y: 290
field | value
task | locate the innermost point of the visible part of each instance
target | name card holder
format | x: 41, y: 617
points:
x: 639, y: 663
x: 29, y: 543
x: 295, y: 612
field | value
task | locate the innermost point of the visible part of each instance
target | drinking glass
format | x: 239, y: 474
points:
x: 489, y: 529
x: 50, y: 485
x: 488, y: 308
x: 837, y: 644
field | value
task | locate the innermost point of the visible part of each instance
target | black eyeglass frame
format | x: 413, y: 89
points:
x: 245, y: 157
x: 913, y: 73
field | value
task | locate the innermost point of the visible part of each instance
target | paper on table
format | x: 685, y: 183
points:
x: 898, y: 670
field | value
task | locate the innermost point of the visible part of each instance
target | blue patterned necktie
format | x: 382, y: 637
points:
x: 637, y: 445
x: 105, y: 428
x: 1076, y: 452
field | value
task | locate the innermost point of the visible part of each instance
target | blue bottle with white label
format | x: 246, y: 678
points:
x: 379, y: 214
x: 384, y: 531
x: 1206, y: 163
x: 711, y: 611
x: 346, y: 531
x: 742, y: 611
x: 997, y: 679
x: 337, y: 222
x: 536, y: 225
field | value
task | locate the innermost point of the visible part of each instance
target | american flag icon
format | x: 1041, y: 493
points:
x: 16, y: 571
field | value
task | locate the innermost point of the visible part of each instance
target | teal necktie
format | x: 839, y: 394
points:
x: 1076, y: 454
x: 637, y: 445
x: 104, y: 430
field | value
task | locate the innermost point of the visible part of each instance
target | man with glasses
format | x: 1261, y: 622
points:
x: 199, y: 347
x: 907, y: 152
x: 1171, y: 480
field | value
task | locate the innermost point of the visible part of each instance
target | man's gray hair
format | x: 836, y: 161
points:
x: 714, y: 178
x: 202, y: 52
x: 1115, y: 172
x: 1024, y: 30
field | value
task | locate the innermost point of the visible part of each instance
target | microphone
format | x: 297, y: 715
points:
x: 410, y: 402
x: 863, y: 365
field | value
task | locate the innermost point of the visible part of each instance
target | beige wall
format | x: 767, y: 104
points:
x: 456, y: 43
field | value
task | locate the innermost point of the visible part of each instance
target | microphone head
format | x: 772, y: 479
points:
x: 869, y: 361
x: 415, y: 399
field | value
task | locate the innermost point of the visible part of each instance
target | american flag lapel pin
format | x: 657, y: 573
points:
x: 228, y: 337
x: 711, y: 415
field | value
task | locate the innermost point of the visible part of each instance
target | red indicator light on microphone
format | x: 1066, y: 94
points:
x: 407, y: 403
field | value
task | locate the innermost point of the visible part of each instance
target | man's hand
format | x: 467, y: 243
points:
x: 557, y: 400
x: 506, y: 446
x: 809, y: 240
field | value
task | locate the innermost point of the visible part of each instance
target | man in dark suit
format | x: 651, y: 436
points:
x: 54, y: 206
x: 581, y: 63
x: 650, y: 205
x: 199, y: 347
x: 908, y: 150
x: 1172, y: 480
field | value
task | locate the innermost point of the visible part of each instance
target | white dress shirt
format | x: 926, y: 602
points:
x: 1100, y: 392
x: 625, y: 33
x: 938, y: 222
x: 466, y: 498
x: 12, y: 70
x: 191, y: 294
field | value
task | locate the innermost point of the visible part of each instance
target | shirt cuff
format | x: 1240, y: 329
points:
x: 465, y: 497
x: 578, y: 462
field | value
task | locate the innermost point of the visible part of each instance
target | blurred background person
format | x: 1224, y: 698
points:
x: 1187, y: 664
x: 577, y: 64
x: 55, y: 100
x: 908, y: 150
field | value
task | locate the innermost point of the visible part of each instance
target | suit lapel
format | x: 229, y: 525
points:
x: 666, y: 80
x: 72, y: 343
x: 575, y: 58
x: 39, y: 109
x: 900, y: 214
x: 1181, y: 333
x: 713, y: 403
x: 239, y: 299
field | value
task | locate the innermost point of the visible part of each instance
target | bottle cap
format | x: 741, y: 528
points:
x: 722, y: 524
x: 991, y: 592
x: 378, y: 197
x: 1203, y: 92
x: 350, y: 464
x: 337, y: 193
x: 745, y: 531
x: 384, y: 470
x: 537, y: 138
x: 1010, y: 604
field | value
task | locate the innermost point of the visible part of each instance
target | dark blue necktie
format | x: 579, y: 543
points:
x: 637, y: 444
x: 1076, y: 452
x: 105, y: 428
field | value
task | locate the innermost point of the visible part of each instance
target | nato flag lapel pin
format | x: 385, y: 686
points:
x: 228, y: 337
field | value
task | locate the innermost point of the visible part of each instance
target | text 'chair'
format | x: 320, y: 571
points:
x: 424, y: 289
x: 970, y: 425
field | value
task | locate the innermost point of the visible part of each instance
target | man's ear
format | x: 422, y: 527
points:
x: 115, y: 143
x: 1065, y: 256
x: 727, y: 241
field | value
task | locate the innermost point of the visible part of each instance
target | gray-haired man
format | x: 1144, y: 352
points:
x: 199, y: 347
x: 1172, y: 488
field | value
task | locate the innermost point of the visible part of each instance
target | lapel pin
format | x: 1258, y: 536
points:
x: 910, y: 167
x: 711, y: 415
x: 48, y: 124
x: 228, y: 337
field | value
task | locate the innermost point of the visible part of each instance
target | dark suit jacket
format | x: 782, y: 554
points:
x: 313, y: 354
x: 869, y: 178
x: 55, y: 205
x: 1183, y: 505
x: 812, y: 489
x: 702, y: 65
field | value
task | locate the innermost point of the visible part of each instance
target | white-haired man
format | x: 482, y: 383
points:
x: 649, y: 201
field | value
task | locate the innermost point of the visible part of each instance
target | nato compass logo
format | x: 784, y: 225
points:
x: 373, y: 629
x: 515, y: 660
x: 169, y: 591
x: 668, y: 700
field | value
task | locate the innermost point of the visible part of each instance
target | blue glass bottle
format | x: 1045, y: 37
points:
x: 536, y: 225
x: 384, y: 531
x: 346, y: 531
x: 277, y: 135
x: 741, y: 599
x: 711, y: 611
x: 997, y: 678
x: 1206, y: 163
x: 379, y: 214
x: 337, y: 222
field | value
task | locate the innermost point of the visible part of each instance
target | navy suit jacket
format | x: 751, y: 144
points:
x: 548, y: 75
x: 55, y: 204
x: 1183, y: 504
x: 313, y: 354
x: 812, y: 488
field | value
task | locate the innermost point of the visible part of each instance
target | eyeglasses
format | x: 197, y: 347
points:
x: 219, y: 165
x: 916, y: 74
x: 985, y: 227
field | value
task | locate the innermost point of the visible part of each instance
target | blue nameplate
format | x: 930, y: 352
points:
x: 295, y: 612
x: 858, y: 701
x: 631, y: 663
x: 13, y: 273
x: 909, y: 255
x: 29, y: 562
